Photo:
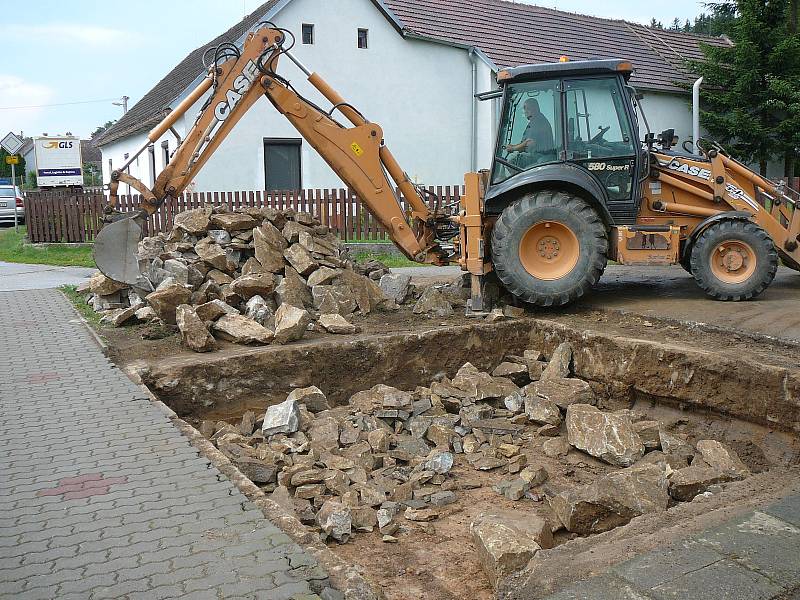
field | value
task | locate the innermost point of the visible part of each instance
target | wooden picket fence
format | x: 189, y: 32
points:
x: 56, y: 216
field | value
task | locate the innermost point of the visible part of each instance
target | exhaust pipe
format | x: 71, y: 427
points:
x: 696, y: 114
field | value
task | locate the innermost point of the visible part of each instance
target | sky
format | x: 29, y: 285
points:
x: 84, y: 55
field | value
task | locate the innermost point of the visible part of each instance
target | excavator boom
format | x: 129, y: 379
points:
x: 236, y: 80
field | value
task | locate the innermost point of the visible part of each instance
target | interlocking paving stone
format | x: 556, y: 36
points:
x: 723, y: 580
x: 101, y: 497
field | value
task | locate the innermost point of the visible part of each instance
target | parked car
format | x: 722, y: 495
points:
x: 11, y: 196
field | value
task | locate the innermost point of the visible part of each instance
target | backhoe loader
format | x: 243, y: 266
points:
x: 571, y: 185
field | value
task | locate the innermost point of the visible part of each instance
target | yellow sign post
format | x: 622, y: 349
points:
x: 13, y: 159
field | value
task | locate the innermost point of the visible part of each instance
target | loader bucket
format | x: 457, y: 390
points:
x: 115, y: 251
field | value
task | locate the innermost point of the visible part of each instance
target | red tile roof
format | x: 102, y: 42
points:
x: 512, y: 33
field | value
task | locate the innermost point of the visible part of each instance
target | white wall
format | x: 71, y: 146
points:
x: 419, y: 92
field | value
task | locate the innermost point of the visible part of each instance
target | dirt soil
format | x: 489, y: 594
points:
x: 437, y: 560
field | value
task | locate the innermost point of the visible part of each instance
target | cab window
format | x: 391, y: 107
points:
x: 597, y: 125
x: 530, y: 129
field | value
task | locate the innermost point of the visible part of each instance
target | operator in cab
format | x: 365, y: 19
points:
x: 537, y: 139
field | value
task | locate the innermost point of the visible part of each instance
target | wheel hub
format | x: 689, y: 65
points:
x: 549, y: 250
x: 733, y: 261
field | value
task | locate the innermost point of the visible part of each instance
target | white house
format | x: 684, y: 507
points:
x: 413, y: 66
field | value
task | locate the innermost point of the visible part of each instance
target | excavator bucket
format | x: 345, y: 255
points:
x: 115, y: 251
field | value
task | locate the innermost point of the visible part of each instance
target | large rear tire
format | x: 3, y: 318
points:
x: 549, y: 248
x: 734, y: 260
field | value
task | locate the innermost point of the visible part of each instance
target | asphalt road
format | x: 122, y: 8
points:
x: 15, y: 277
x: 672, y: 293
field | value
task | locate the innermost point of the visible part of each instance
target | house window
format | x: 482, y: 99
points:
x: 110, y: 165
x: 151, y: 155
x: 282, y: 164
x: 363, y: 38
x: 165, y: 152
x: 308, y: 33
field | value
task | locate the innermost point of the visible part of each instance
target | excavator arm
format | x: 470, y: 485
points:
x: 236, y: 79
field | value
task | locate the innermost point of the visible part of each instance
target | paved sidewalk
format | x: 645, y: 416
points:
x: 16, y: 277
x: 753, y: 557
x: 101, y: 497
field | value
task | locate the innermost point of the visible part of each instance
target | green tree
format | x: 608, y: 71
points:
x: 751, y: 96
x: 656, y: 24
x: 102, y: 128
x: 5, y: 170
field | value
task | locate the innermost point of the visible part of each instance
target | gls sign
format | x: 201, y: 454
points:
x: 62, y: 145
x: 240, y: 86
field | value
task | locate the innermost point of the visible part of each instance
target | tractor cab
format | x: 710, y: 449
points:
x: 573, y: 123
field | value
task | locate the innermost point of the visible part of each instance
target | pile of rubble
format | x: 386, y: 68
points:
x: 253, y: 276
x: 388, y: 456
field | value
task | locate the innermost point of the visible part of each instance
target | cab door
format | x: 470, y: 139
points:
x: 599, y: 138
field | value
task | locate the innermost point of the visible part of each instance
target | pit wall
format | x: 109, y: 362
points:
x: 234, y: 380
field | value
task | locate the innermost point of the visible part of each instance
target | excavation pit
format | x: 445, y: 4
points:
x: 693, y: 393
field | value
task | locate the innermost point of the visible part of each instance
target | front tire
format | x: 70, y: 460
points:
x: 549, y: 248
x: 734, y: 260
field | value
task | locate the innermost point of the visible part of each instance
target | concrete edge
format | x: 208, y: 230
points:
x: 343, y: 576
x: 93, y: 334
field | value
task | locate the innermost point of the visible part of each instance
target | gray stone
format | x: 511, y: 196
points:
x: 213, y: 310
x: 257, y: 471
x: 612, y: 500
x: 300, y: 259
x: 516, y: 372
x: 215, y: 256
x: 513, y: 489
x: 195, y: 221
x: 259, y: 310
x: 395, y: 286
x: 559, y: 366
x: 165, y: 301
x: 439, y: 462
x: 504, y: 547
x: 337, y: 324
x: 269, y: 247
x: 433, y: 303
x: 313, y: 398
x: 257, y: 284
x: 330, y: 299
x: 290, y: 323
x: 194, y: 333
x: 722, y: 458
x: 323, y: 276
x: 233, y: 221
x: 562, y: 392
x: 281, y: 418
x: 442, y: 498
x: 220, y: 236
x: 686, y: 483
x: 335, y: 520
x: 607, y: 436
x: 542, y: 411
x: 241, y: 330
x: 292, y: 290
x: 482, y: 386
x: 649, y: 432
x: 514, y: 402
x: 177, y: 270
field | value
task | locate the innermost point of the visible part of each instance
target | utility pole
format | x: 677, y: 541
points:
x: 123, y: 103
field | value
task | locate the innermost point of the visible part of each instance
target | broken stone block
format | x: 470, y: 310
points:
x: 548, y: 431
x: 119, y: 316
x: 562, y: 392
x: 218, y: 277
x: 290, y: 323
x: 213, y: 310
x: 248, y: 423
x: 607, y: 436
x: 534, y: 475
x: 215, y: 255
x: 259, y: 310
x: 194, y: 221
x: 514, y: 402
x: 482, y: 386
x: 504, y: 547
x: 543, y: 411
x: 220, y: 236
x: 145, y: 314
x: 481, y: 462
x: 559, y: 366
x: 313, y: 398
x: 433, y: 303
x: 308, y: 476
x: 439, y: 462
x: 379, y: 440
x: 364, y: 518
x: 513, y: 489
x: 656, y: 457
x: 335, y: 520
x: 269, y: 248
x: 292, y: 230
x: 193, y: 331
x: 177, y: 270
x: 612, y: 500
x: 330, y: 299
x: 649, y: 433
x: 323, y: 276
x: 686, y: 483
x: 241, y: 330
x: 337, y: 324
x: 165, y: 301
x: 442, y: 498
x: 292, y: 290
x: 324, y: 433
x: 723, y: 459
x: 281, y: 418
x: 517, y: 373
x: 422, y: 515
x: 395, y: 286
x: 300, y: 259
x: 258, y: 284
x: 556, y: 447
x: 233, y: 221
x: 677, y: 446
x: 257, y: 471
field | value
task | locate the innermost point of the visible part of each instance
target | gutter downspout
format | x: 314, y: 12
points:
x: 696, y: 114
x: 474, y: 121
